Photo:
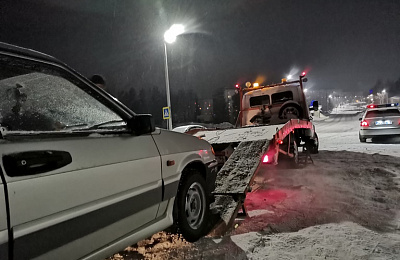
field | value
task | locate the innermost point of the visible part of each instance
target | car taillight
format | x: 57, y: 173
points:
x: 265, y: 159
x: 364, y: 123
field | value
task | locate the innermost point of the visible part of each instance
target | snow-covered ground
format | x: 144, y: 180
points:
x: 344, y: 206
x: 340, y: 133
x: 347, y: 109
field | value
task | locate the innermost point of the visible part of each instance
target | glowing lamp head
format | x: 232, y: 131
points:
x: 303, y: 73
x: 237, y: 86
x: 256, y: 84
x: 173, y: 32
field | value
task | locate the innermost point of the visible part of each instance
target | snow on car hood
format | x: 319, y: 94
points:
x: 169, y: 142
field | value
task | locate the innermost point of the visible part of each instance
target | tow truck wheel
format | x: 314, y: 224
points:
x: 192, y: 206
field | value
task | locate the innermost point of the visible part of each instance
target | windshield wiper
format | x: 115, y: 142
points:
x: 104, y: 124
x: 73, y: 126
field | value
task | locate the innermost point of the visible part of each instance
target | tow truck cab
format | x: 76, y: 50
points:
x: 273, y: 104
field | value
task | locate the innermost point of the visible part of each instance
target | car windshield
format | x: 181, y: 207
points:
x: 200, y: 129
x: 259, y: 100
x: 44, y: 101
x: 282, y: 97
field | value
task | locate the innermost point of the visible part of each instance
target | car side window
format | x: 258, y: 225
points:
x: 38, y: 97
x: 281, y: 97
x: 260, y: 100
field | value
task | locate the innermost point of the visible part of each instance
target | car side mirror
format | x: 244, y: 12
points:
x: 315, y: 105
x: 141, y: 124
x: 305, y: 80
x: 360, y: 119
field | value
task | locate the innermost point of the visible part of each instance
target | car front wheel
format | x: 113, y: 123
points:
x: 192, y: 206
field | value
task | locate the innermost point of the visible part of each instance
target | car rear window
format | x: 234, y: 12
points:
x: 282, y: 97
x: 380, y: 113
x: 260, y: 100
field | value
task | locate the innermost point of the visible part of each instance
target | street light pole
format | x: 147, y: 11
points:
x: 170, y: 37
x: 169, y: 124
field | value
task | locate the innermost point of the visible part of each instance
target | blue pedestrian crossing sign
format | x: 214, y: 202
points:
x: 166, y: 112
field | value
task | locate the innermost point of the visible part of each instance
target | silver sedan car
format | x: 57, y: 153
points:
x: 380, y: 121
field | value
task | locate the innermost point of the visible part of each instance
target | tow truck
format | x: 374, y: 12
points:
x: 273, y: 122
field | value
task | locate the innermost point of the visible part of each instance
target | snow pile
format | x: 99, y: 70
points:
x: 319, y: 117
x: 346, y: 240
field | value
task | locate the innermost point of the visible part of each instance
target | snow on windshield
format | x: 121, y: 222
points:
x: 48, y: 100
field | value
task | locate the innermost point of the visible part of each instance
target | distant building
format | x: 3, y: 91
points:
x: 228, y: 95
x: 395, y: 99
x: 205, y: 107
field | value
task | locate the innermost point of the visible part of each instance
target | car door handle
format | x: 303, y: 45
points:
x: 35, y: 162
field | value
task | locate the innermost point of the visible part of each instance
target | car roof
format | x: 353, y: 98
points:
x: 381, y: 108
x: 13, y: 49
x: 182, y: 129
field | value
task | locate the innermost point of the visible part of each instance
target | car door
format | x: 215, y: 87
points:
x: 4, y: 234
x: 77, y: 177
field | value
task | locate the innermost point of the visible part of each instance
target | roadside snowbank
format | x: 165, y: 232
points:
x: 331, y: 241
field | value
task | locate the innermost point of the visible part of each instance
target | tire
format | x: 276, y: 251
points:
x: 192, y: 206
x: 314, y: 144
x: 362, y: 139
x: 290, y: 111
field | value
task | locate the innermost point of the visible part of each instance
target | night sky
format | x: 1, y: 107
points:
x: 342, y: 44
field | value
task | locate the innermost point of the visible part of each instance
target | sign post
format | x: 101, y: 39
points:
x: 166, y: 115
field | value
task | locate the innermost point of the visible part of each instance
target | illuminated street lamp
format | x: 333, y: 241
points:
x: 385, y: 95
x: 170, y: 37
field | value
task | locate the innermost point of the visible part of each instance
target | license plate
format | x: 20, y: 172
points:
x: 386, y: 122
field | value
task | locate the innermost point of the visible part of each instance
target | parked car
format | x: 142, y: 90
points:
x: 380, y: 121
x: 82, y: 176
x: 188, y: 128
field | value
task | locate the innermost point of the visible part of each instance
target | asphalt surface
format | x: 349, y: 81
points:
x: 349, y: 181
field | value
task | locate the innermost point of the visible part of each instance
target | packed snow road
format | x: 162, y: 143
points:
x: 340, y: 133
x: 344, y: 206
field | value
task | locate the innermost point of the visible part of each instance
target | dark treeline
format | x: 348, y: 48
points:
x: 392, y: 87
x: 185, y: 105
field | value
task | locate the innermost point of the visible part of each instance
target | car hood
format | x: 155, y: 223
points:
x: 169, y: 142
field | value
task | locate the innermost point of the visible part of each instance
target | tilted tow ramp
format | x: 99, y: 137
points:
x: 236, y: 175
